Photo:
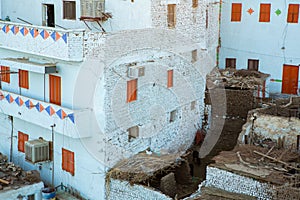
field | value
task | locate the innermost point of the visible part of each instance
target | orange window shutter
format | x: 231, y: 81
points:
x: 5, y: 75
x: 293, y: 13
x: 170, y: 78
x: 20, y: 141
x: 264, y: 14
x: 55, y: 89
x: 131, y: 90
x: 64, y: 159
x: 236, y: 12
x: 71, y: 163
x: 23, y: 79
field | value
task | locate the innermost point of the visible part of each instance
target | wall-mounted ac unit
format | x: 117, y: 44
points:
x: 92, y: 8
x: 136, y: 71
x: 37, y: 151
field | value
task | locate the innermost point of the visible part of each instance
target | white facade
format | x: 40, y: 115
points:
x: 273, y: 43
x: 94, y: 116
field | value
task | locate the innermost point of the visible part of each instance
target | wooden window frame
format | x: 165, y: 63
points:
x: 171, y: 15
x: 67, y: 14
x: 194, y: 55
x: 236, y: 12
x: 265, y: 12
x: 23, y: 79
x: 255, y: 64
x: 68, y: 161
x: 170, y: 78
x: 228, y: 63
x: 131, y: 90
x: 293, y: 13
x: 55, y: 89
x: 22, y: 138
x: 5, y: 77
x: 195, y: 4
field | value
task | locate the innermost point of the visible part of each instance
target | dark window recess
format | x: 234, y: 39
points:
x: 69, y: 11
x: 253, y: 64
x: 230, y: 63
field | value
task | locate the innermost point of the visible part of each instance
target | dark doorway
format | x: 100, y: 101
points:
x: 48, y: 15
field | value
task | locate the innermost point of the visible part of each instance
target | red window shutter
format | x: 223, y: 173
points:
x: 170, y: 78
x: 68, y: 163
x: 5, y: 75
x: 236, y: 12
x: 22, y: 138
x: 71, y: 163
x: 293, y: 13
x: 131, y: 90
x: 64, y: 159
x: 55, y: 89
x: 264, y: 14
x: 23, y: 79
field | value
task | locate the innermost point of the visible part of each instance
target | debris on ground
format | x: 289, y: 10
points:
x: 12, y: 176
x: 243, y: 79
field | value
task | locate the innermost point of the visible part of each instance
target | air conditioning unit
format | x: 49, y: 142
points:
x: 37, y: 150
x: 136, y: 71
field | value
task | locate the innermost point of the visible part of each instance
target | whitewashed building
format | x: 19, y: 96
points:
x: 100, y: 81
x: 262, y: 35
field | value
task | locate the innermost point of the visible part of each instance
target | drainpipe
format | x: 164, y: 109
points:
x: 11, y: 137
x: 52, y: 134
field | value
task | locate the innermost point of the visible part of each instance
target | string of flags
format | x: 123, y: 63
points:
x: 39, y: 107
x: 35, y: 32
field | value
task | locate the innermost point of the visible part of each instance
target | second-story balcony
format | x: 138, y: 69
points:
x: 71, y: 123
x: 43, y: 41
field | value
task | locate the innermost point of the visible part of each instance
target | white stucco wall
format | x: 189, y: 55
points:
x: 251, y: 39
x: 89, y: 173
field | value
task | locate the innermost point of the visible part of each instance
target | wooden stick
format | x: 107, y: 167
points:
x: 279, y: 161
x: 262, y: 158
x: 4, y: 181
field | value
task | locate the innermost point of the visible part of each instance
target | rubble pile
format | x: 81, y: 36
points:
x: 13, y: 177
x: 243, y: 79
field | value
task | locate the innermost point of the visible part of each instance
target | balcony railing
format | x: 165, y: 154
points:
x: 43, y: 41
x: 71, y: 123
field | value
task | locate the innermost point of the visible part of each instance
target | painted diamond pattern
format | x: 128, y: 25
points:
x: 250, y: 11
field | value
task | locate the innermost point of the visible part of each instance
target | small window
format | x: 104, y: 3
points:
x: 23, y: 79
x: 22, y: 138
x: 194, y: 55
x: 171, y: 15
x: 193, y: 105
x: 131, y: 90
x: 69, y: 10
x: 264, y: 14
x: 236, y: 12
x: 173, y: 115
x: 170, y: 79
x: 253, y: 64
x: 31, y: 197
x: 293, y: 13
x: 5, y: 74
x: 195, y: 3
x: 68, y: 161
x: 230, y: 63
x: 133, y: 132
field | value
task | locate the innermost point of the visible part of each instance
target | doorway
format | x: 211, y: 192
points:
x: 48, y: 15
x: 290, y: 79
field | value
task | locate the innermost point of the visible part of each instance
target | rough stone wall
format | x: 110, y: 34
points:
x: 232, y: 182
x: 123, y: 190
x: 189, y: 20
x: 168, y: 185
x: 277, y: 128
